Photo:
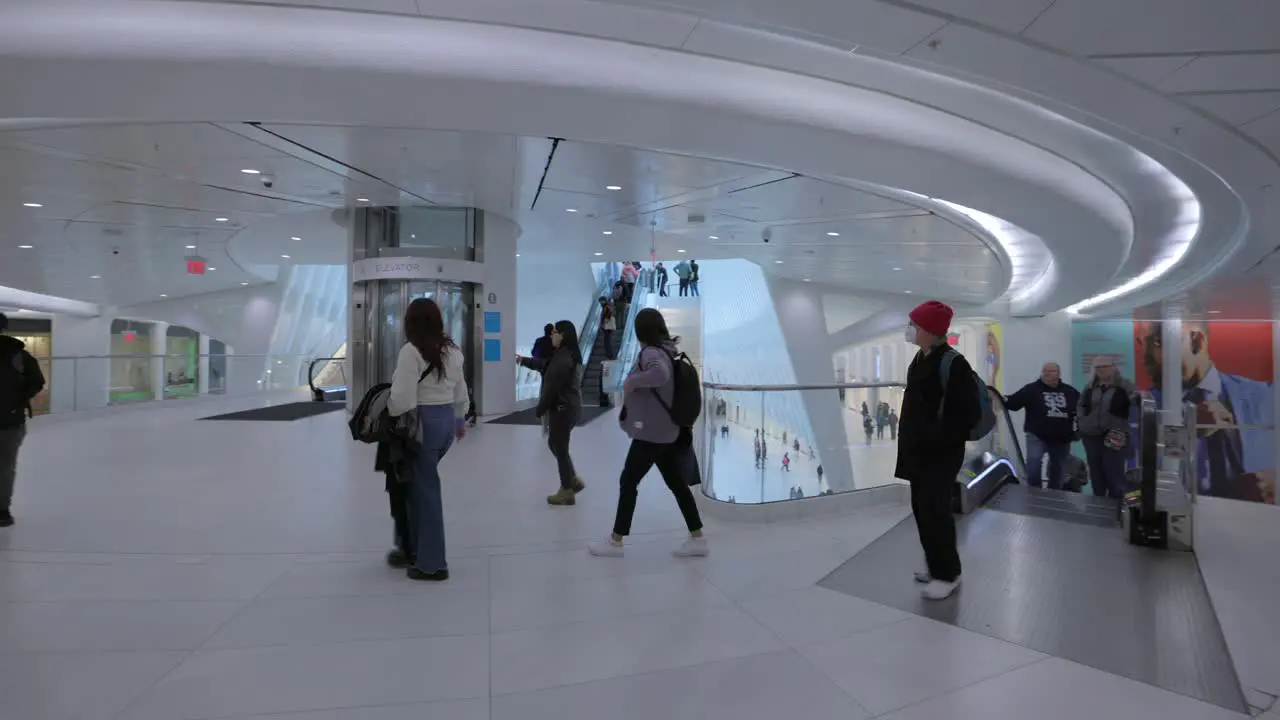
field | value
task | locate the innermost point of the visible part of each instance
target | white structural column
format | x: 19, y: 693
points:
x: 1171, y: 363
x: 202, y: 365
x: 75, y: 383
x: 496, y: 250
x: 159, y: 349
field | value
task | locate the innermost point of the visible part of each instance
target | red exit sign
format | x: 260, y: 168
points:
x: 196, y: 265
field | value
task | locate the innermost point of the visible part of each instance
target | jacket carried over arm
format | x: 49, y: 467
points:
x: 931, y: 445
x: 560, y: 382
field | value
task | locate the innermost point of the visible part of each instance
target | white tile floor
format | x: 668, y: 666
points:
x: 167, y: 569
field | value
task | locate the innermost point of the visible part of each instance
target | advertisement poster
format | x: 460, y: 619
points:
x: 992, y: 375
x: 1227, y: 373
x: 1106, y: 338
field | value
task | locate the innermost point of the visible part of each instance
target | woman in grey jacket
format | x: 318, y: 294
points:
x: 655, y: 439
x: 1104, y: 409
x: 560, y: 400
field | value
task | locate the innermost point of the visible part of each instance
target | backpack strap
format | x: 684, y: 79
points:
x: 944, y: 375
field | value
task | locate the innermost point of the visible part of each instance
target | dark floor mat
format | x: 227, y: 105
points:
x: 1057, y: 505
x: 283, y: 413
x: 526, y: 417
x: 1067, y: 589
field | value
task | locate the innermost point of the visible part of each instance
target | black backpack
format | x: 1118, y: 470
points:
x: 15, y: 389
x: 686, y: 396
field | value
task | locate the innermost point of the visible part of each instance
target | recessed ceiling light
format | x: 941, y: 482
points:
x: 295, y: 238
x: 191, y: 247
x: 907, y: 292
x: 612, y: 187
x: 599, y: 254
x: 1215, y: 312
x: 833, y: 234
x: 25, y: 247
x: 412, y: 236
x: 95, y: 277
x: 286, y: 257
x: 897, y: 268
x: 163, y: 295
x: 243, y: 284
x: 517, y: 254
x: 219, y: 219
x: 608, y: 232
x: 32, y: 205
x: 251, y: 171
x: 362, y: 199
x: 777, y: 262
x: 680, y: 251
x: 713, y: 237
x: 571, y: 209
x: 807, y: 280
x: 211, y: 269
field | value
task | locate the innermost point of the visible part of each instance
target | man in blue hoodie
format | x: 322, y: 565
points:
x: 1050, y: 423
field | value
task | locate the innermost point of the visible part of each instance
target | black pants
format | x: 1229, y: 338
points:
x: 684, y: 287
x: 608, y: 344
x: 640, y: 460
x: 931, y: 505
x: 398, y: 495
x: 560, y: 424
x: 662, y: 288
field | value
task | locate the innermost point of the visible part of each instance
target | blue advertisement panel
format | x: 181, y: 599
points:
x: 492, y: 350
x: 492, y: 322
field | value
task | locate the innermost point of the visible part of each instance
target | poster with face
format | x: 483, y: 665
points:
x: 1227, y: 374
x: 991, y: 373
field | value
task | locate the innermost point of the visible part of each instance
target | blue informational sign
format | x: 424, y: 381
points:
x: 492, y: 322
x: 492, y: 350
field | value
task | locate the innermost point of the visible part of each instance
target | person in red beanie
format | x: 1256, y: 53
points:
x: 931, y: 442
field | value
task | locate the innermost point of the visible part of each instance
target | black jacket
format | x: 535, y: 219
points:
x: 542, y: 348
x: 560, y: 382
x: 1051, y: 411
x: 22, y: 373
x: 931, y: 449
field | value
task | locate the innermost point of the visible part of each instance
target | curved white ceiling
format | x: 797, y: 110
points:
x: 1085, y: 191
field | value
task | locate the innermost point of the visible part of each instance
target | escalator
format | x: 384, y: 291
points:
x: 995, y: 473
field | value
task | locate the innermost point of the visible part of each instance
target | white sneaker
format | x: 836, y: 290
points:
x: 692, y: 547
x: 922, y: 576
x: 606, y: 548
x: 939, y: 589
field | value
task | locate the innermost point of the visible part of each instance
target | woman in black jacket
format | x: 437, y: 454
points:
x: 561, y: 402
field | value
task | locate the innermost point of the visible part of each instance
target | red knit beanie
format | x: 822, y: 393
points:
x: 932, y: 317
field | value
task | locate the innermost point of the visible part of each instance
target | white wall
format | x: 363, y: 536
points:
x: 80, y: 384
x: 547, y: 292
x: 501, y: 281
x: 1029, y: 343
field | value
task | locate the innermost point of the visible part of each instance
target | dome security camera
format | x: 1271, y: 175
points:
x: 766, y: 235
x: 268, y: 181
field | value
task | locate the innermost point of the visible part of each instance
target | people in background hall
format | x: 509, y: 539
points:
x: 868, y: 427
x: 786, y: 462
x: 20, y: 380
x: 882, y: 419
x: 608, y: 323
x: 893, y: 424
x: 819, y: 474
x: 662, y: 280
x: 865, y: 411
x: 629, y: 275
x: 649, y: 392
x: 542, y: 347
x: 693, y: 278
x: 932, y: 443
x: 1233, y: 462
x: 428, y: 379
x: 1104, y: 427
x: 682, y: 274
x: 1050, y: 425
x: 759, y: 458
x: 560, y: 402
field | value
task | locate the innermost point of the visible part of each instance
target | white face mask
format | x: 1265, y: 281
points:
x: 910, y: 334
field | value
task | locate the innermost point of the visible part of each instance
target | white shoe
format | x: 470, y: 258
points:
x: 692, y: 547
x: 606, y: 548
x: 922, y: 576
x: 939, y: 590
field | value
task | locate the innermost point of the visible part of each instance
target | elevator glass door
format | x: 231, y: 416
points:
x: 394, y: 296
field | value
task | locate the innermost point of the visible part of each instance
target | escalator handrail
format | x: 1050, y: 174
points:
x: 311, y: 373
x: 1003, y: 410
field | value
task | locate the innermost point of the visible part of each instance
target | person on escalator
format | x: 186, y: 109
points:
x: 607, y: 325
x: 1050, y: 425
x: 1104, y: 427
x: 937, y: 415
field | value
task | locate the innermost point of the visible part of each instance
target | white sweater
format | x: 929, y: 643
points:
x: 407, y: 393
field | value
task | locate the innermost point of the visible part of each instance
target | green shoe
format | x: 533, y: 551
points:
x: 563, y: 496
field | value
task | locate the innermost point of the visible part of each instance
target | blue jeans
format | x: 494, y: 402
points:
x: 426, y: 511
x: 1036, y: 450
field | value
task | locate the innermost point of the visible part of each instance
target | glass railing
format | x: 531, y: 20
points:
x: 751, y: 453
x: 98, y: 381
